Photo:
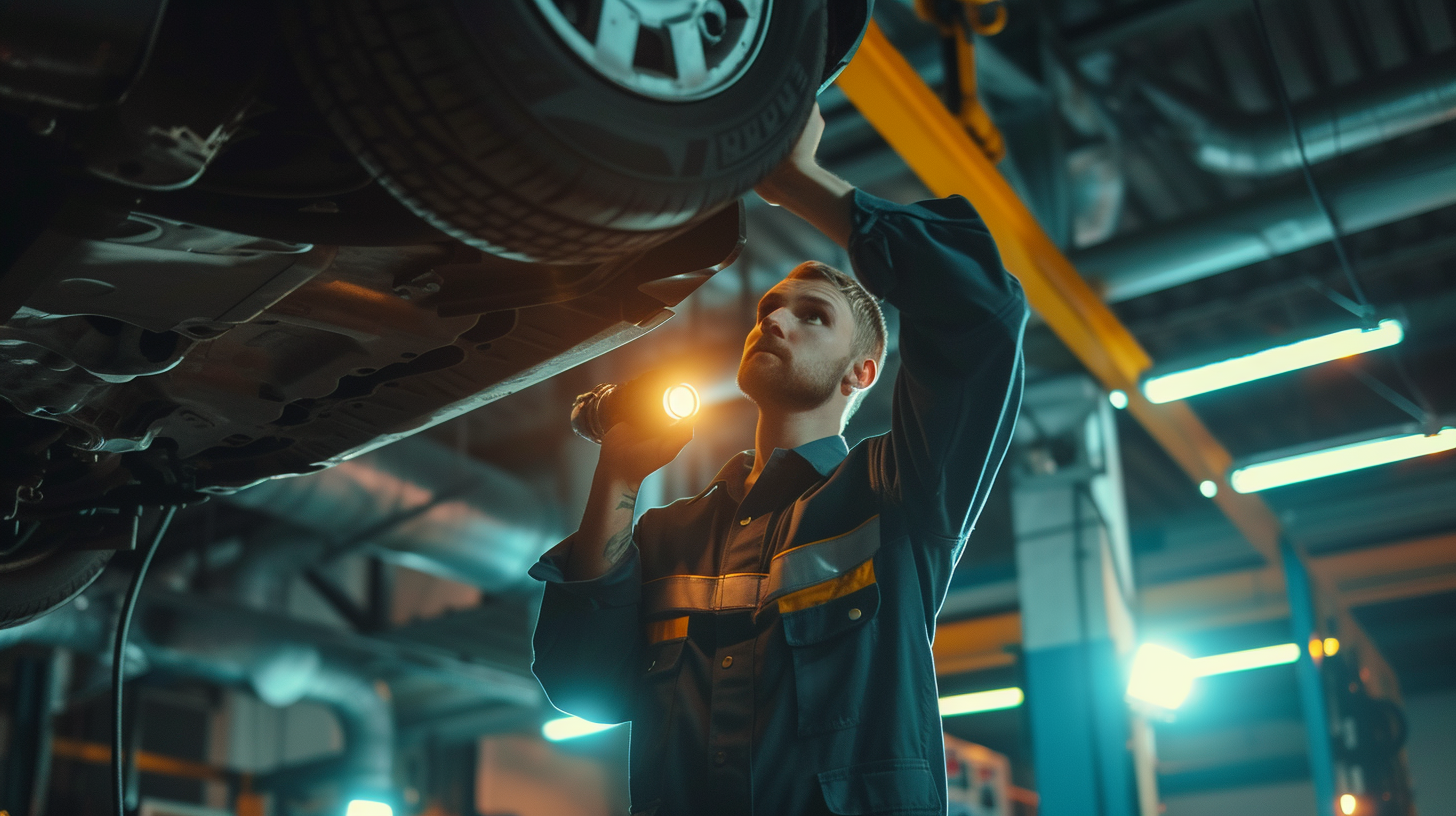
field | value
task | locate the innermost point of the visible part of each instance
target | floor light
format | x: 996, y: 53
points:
x: 979, y: 701
x: 571, y: 727
x: 1340, y: 459
x: 1278, y: 360
x: 1160, y: 676
x: 368, y: 807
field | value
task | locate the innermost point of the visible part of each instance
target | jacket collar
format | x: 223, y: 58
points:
x: 823, y: 455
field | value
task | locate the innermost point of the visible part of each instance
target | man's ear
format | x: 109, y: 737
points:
x: 861, y: 375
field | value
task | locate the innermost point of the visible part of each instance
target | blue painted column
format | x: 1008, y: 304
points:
x: 1093, y: 757
x: 1314, y: 704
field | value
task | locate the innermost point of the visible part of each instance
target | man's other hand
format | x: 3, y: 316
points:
x: 807, y: 190
x: 787, y: 176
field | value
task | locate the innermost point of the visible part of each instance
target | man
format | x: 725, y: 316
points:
x: 769, y: 638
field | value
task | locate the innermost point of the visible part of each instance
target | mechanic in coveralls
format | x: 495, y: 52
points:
x: 769, y: 638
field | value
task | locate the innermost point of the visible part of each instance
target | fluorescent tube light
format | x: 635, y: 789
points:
x: 1245, y: 660
x: 1341, y: 459
x: 978, y: 701
x: 1278, y: 360
x: 571, y: 727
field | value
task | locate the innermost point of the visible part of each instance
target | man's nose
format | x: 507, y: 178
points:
x: 773, y: 324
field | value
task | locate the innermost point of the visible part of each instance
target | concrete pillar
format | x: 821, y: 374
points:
x: 1093, y: 756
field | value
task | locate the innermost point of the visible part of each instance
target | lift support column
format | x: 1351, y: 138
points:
x: 1074, y: 576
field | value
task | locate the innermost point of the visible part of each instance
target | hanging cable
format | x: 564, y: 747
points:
x: 118, y: 659
x: 1365, y: 311
x: 1361, y: 306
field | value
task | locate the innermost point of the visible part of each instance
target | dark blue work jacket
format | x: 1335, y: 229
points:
x: 772, y: 650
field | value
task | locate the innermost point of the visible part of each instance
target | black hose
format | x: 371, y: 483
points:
x: 118, y: 658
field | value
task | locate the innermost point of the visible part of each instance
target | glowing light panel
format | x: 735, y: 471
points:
x: 1341, y: 459
x: 1208, y: 488
x: 1246, y: 660
x: 1347, y: 804
x: 680, y: 401
x: 1160, y: 676
x: 367, y: 807
x: 1278, y: 360
x: 978, y: 701
x: 571, y: 727
x: 1118, y: 399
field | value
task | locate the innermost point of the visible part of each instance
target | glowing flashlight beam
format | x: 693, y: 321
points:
x: 571, y: 727
x: 1341, y: 459
x: 680, y: 401
x: 979, y: 701
x: 1303, y: 354
x: 1246, y: 660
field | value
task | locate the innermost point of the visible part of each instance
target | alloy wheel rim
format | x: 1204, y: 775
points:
x: 669, y: 50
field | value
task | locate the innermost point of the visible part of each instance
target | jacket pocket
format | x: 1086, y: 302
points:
x: 653, y: 710
x: 902, y: 787
x: 832, y: 645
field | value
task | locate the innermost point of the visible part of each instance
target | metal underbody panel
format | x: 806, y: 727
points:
x: 221, y: 360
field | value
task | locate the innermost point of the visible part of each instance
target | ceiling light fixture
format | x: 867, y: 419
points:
x: 1330, y: 461
x: 1246, y: 660
x: 1278, y: 360
x: 979, y: 701
x: 571, y: 727
x: 1164, y: 678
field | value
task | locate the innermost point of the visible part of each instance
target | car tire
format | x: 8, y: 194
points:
x: 484, y: 118
x: 35, y: 586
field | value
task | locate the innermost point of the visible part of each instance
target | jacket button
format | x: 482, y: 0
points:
x: 720, y: 757
x: 727, y: 661
x: 854, y: 614
x: 743, y: 522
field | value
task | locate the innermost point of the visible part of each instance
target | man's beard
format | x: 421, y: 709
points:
x: 781, y: 386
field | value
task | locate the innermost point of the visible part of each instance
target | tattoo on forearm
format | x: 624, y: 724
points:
x: 617, y: 544
x: 628, y: 502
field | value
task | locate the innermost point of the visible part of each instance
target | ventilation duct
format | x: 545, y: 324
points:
x: 217, y: 647
x: 1244, y: 233
x: 423, y: 506
x: 1372, y: 112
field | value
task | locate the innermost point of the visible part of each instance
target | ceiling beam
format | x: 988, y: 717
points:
x: 911, y: 118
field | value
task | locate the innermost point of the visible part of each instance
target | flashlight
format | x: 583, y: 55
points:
x: 647, y: 400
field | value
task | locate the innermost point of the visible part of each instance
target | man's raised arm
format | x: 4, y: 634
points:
x: 962, y: 316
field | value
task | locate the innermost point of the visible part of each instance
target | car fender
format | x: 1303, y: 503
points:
x: 848, y: 20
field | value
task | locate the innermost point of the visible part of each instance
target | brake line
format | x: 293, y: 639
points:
x: 118, y: 655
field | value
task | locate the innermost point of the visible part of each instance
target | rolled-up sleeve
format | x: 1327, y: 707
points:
x: 962, y: 316
x: 588, y: 640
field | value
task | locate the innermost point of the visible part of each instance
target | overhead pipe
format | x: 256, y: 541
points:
x: 1143, y: 21
x: 1244, y: 233
x: 423, y: 506
x: 1377, y: 110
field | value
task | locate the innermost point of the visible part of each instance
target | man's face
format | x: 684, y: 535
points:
x: 798, y: 353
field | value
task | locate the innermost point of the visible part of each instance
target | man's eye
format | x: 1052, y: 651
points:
x: 815, y: 316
